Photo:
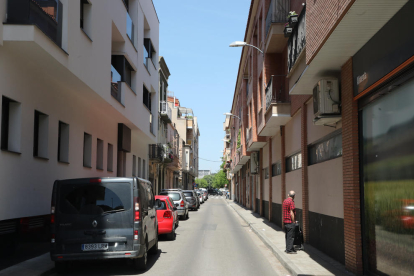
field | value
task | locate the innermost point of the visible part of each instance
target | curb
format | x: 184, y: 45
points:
x: 292, y: 268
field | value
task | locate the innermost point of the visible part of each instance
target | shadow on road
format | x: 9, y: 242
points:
x: 107, y: 267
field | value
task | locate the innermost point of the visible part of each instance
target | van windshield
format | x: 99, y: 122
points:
x: 94, y: 199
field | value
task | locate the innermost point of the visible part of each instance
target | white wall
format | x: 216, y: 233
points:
x: 326, y: 188
x: 74, y: 88
x: 294, y: 182
x: 276, y: 189
x: 292, y: 134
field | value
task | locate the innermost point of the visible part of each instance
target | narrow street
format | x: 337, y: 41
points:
x: 213, y: 241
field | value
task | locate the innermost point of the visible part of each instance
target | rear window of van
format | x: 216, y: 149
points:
x: 94, y: 199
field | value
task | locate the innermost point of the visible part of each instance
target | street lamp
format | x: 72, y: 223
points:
x: 229, y: 114
x: 242, y: 44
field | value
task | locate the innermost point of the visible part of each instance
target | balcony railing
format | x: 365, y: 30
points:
x: 46, y: 15
x: 156, y: 152
x: 278, y: 12
x: 165, y: 111
x: 275, y: 91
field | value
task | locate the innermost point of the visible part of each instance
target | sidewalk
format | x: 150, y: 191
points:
x: 41, y: 265
x: 308, y: 262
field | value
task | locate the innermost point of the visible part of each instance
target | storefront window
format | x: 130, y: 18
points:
x: 388, y: 179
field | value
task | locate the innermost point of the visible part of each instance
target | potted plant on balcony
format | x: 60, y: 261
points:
x: 288, y: 30
x: 292, y: 18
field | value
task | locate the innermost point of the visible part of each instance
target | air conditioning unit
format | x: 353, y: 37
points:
x: 254, y: 163
x: 326, y: 102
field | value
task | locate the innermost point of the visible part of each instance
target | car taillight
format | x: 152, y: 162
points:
x: 52, y: 238
x: 52, y: 218
x: 135, y: 234
x: 182, y: 203
x: 167, y: 214
x: 136, y: 211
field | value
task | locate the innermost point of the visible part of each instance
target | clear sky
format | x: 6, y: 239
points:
x: 194, y: 40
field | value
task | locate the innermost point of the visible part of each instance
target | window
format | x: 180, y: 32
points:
x: 139, y: 166
x: 329, y: 148
x: 41, y: 134
x: 294, y: 162
x: 149, y: 52
x: 147, y: 98
x: 94, y: 199
x: 11, y: 115
x: 87, y: 150
x: 134, y: 165
x: 85, y: 16
x: 110, y: 158
x: 277, y: 169
x: 121, y: 71
x: 63, y: 142
x: 99, y: 154
x: 266, y: 173
x: 143, y: 169
x: 130, y: 28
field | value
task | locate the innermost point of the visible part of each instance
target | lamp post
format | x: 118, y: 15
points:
x: 242, y: 44
x: 229, y: 114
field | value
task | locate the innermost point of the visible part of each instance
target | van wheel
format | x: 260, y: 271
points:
x: 154, y: 248
x: 60, y: 267
x: 141, y: 263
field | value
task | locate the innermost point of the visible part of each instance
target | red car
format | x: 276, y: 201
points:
x: 167, y: 216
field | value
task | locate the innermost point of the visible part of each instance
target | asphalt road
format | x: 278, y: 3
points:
x: 213, y: 241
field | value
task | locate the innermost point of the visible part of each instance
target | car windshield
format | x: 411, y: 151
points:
x: 94, y: 199
x: 188, y: 194
x: 173, y: 196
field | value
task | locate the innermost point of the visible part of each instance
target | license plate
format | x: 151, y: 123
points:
x: 94, y: 246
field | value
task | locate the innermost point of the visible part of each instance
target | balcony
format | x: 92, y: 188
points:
x: 156, y: 153
x: 248, y: 134
x: 165, y: 112
x: 116, y: 84
x: 130, y: 28
x: 275, y: 24
x: 277, y: 107
x: 46, y: 15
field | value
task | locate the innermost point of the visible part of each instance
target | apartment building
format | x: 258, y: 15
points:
x: 187, y: 128
x: 164, y: 155
x: 79, y: 90
x: 326, y: 111
x: 202, y: 173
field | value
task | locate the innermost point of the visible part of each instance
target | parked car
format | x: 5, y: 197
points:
x: 205, y: 191
x: 192, y: 199
x: 200, y: 196
x: 205, y: 194
x: 179, y: 201
x: 167, y: 216
x: 103, y: 218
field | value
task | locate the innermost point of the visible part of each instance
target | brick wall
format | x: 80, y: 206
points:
x: 305, y: 186
x: 283, y: 163
x: 350, y: 155
x: 296, y: 102
x: 322, y: 16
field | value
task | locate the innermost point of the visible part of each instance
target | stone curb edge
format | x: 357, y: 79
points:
x: 292, y: 268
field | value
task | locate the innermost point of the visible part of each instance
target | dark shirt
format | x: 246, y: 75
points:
x: 288, y: 205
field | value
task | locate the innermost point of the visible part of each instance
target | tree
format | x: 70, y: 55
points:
x: 220, y: 179
x: 209, y: 179
x: 201, y: 182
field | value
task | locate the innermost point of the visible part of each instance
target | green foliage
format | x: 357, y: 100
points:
x: 201, y: 182
x: 217, y: 180
x: 220, y: 179
x: 239, y: 139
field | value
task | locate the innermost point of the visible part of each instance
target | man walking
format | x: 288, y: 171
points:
x: 289, y: 216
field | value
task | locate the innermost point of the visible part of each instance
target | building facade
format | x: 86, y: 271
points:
x: 202, y: 173
x: 326, y: 111
x: 79, y: 91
